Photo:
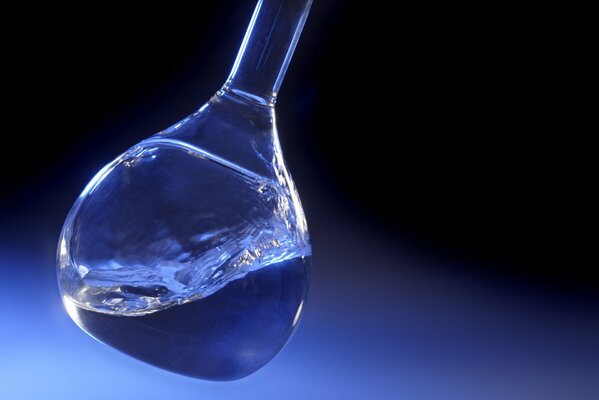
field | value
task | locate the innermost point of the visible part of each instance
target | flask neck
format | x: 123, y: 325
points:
x: 267, y: 49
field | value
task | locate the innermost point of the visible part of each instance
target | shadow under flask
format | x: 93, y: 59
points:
x: 190, y: 251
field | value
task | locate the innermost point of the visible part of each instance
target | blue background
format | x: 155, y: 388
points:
x: 468, y: 285
x: 381, y: 322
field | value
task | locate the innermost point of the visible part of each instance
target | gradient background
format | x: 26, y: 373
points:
x: 472, y: 283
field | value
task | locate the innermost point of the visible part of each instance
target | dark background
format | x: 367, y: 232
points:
x: 440, y: 202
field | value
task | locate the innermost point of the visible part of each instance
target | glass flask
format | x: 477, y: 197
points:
x: 190, y: 251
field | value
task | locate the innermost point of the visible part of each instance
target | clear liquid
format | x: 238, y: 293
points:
x: 227, y: 335
x: 187, y: 261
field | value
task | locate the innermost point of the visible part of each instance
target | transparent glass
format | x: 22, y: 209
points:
x: 190, y: 251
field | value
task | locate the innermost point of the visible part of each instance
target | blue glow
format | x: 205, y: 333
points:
x: 424, y: 336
